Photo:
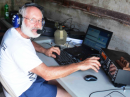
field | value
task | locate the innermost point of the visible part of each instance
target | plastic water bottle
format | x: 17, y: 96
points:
x: 6, y: 11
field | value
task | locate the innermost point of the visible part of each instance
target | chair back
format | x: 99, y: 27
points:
x: 7, y: 87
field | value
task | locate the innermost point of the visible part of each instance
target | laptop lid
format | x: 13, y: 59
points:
x: 96, y: 38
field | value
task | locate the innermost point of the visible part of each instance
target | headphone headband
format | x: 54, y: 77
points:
x: 32, y: 4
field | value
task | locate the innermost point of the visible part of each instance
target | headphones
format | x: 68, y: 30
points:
x: 17, y: 19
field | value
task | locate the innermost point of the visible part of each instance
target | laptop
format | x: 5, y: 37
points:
x: 95, y: 39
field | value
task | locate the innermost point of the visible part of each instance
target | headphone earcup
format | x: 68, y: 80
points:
x: 43, y: 23
x: 17, y: 21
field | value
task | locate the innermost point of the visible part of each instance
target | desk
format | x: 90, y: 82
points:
x: 78, y: 87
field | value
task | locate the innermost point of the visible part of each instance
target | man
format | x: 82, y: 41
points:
x: 20, y: 65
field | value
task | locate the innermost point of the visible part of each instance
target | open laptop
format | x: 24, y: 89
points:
x: 95, y: 39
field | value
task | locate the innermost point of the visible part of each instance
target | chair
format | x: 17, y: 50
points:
x: 6, y: 88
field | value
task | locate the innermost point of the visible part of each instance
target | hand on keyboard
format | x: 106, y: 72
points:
x: 65, y: 58
x: 52, y: 52
x: 55, y: 54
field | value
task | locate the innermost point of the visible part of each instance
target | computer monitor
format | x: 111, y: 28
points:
x: 97, y: 38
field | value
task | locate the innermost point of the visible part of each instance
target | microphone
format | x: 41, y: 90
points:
x: 39, y: 31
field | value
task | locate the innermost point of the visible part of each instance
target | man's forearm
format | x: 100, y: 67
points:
x: 38, y: 47
x: 55, y: 72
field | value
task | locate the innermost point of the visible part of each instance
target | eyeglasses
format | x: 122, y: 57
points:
x: 33, y: 20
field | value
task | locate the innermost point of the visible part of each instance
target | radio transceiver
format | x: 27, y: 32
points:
x: 117, y: 75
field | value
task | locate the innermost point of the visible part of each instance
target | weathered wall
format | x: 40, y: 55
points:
x: 81, y: 20
x: 115, y: 5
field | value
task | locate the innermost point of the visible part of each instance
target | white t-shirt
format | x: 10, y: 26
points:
x: 18, y: 57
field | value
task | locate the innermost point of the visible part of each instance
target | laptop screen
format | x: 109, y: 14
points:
x: 97, y: 38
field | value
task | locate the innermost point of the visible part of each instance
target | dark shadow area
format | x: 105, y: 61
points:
x: 3, y: 29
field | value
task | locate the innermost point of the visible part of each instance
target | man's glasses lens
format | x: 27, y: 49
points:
x: 33, y: 20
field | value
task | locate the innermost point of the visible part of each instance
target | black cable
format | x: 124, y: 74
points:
x: 108, y: 90
x: 76, y: 29
x: 71, y: 26
x: 113, y: 92
x: 67, y: 20
x: 63, y: 23
x: 32, y: 39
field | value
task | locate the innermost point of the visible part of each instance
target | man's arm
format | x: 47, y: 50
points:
x: 38, y: 48
x: 49, y: 73
x: 48, y: 51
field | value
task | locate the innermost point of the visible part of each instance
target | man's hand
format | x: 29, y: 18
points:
x: 90, y: 63
x: 49, y: 52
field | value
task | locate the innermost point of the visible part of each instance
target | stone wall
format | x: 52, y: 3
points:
x: 121, y: 33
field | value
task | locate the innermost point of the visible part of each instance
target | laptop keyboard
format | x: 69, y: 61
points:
x: 65, y: 58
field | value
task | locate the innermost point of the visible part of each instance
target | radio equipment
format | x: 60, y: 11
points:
x: 108, y: 60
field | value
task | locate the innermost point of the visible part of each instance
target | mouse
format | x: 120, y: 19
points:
x: 90, y: 78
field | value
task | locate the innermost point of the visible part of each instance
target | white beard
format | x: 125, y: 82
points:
x: 27, y: 31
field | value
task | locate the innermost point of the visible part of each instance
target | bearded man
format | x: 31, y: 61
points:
x: 22, y: 69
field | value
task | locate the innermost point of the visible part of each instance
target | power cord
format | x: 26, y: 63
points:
x: 32, y: 39
x: 70, y: 27
x: 113, y: 90
x: 63, y: 23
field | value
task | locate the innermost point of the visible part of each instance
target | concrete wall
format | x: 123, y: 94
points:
x: 121, y: 33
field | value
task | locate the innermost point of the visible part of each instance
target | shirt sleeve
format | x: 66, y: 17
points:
x: 26, y: 59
